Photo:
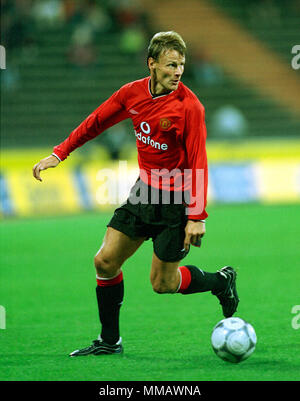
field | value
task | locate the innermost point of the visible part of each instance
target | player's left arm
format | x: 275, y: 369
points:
x: 195, y: 142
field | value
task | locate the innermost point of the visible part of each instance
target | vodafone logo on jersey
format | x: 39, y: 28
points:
x: 144, y: 136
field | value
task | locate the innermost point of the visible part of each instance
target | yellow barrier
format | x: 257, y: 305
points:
x: 264, y: 171
x: 237, y: 150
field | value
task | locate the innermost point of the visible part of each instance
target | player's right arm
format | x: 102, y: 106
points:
x: 47, y: 162
x: 109, y: 113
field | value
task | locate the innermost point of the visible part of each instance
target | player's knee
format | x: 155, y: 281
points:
x: 163, y: 287
x: 105, y: 265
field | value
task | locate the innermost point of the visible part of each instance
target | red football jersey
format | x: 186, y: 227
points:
x: 170, y: 137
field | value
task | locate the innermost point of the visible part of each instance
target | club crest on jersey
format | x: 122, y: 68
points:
x: 164, y: 123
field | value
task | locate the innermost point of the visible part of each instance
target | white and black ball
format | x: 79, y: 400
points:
x: 233, y: 339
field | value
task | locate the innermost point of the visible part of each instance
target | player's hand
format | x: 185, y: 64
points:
x: 194, y: 231
x: 47, y: 162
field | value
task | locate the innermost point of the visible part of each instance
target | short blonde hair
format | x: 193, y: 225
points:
x: 163, y: 41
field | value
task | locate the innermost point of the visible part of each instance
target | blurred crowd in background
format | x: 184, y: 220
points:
x: 85, y: 19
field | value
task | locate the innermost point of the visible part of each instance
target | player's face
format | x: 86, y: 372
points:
x: 166, y: 72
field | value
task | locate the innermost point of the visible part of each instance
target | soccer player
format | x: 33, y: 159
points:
x: 167, y: 202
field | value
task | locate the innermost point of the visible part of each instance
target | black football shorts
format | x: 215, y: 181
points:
x: 163, y: 223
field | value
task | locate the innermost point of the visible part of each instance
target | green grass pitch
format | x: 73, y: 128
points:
x: 47, y: 286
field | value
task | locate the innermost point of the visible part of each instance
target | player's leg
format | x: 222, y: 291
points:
x: 169, y: 277
x: 189, y: 279
x: 115, y: 249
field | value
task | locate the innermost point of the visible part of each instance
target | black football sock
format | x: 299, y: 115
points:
x: 195, y: 280
x: 110, y: 293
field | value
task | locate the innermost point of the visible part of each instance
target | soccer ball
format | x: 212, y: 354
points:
x: 233, y: 339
